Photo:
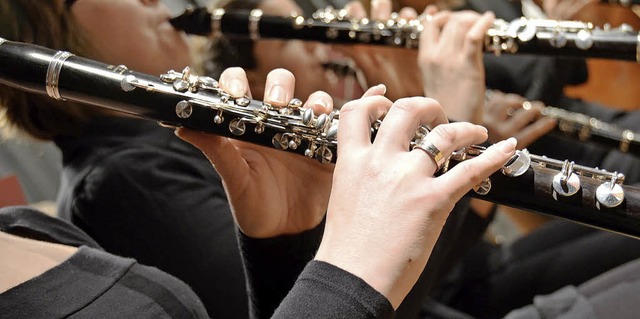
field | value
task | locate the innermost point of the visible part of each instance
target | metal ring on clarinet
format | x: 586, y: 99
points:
x: 2, y: 41
x: 53, y: 73
x: 432, y: 151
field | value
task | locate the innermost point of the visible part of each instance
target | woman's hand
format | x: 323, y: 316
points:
x: 450, y: 58
x: 271, y: 192
x: 509, y: 115
x: 394, y: 67
x: 386, y: 208
x: 564, y: 9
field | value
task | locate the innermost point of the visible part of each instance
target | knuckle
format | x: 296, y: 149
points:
x: 473, y: 174
x: 417, y: 105
x: 349, y: 107
x: 445, y: 132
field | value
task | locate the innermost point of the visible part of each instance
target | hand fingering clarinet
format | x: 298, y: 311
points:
x: 586, y: 128
x: 529, y: 36
x: 560, y: 188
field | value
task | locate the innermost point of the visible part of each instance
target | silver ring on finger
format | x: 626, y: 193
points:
x: 431, y: 150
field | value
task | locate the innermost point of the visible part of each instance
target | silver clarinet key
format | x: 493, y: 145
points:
x: 184, y: 109
x: 324, y: 155
x: 237, y: 127
x: 584, y: 40
x: 610, y: 194
x: 566, y: 182
x: 483, y: 188
x: 280, y: 141
x: 518, y: 164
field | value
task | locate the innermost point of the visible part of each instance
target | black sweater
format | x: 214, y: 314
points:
x: 92, y: 283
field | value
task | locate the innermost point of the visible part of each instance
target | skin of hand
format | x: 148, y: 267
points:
x: 394, y: 67
x: 505, y: 116
x: 271, y: 192
x: 450, y: 57
x: 564, y: 9
x: 386, y: 209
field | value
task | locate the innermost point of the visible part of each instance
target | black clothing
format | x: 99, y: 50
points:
x: 272, y: 266
x: 326, y: 291
x: 461, y: 232
x: 283, y: 267
x: 143, y: 193
x: 91, y: 283
x: 493, y: 280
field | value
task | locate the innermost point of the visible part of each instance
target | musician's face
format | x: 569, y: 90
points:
x: 304, y: 59
x: 135, y: 33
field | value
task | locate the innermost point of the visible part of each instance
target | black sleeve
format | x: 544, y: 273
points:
x: 272, y: 266
x: 168, y: 210
x: 326, y: 291
x: 462, y: 231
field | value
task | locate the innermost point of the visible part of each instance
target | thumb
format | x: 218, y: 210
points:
x: 222, y: 153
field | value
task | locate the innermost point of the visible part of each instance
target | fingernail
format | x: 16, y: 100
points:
x: 483, y: 128
x: 322, y: 103
x: 278, y: 95
x: 508, y: 145
x: 236, y: 88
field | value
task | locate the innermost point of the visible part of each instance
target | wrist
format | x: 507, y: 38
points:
x: 391, y: 267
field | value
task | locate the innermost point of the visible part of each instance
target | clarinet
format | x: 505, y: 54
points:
x: 587, y: 128
x: 528, y: 36
x: 181, y: 99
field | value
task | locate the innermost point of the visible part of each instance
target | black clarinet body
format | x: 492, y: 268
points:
x: 174, y: 99
x: 526, y: 36
x: 537, y: 190
x: 590, y: 196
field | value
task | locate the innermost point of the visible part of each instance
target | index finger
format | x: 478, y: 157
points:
x: 356, y: 120
x: 467, y: 174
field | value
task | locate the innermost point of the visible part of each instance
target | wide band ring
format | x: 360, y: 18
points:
x: 431, y: 150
